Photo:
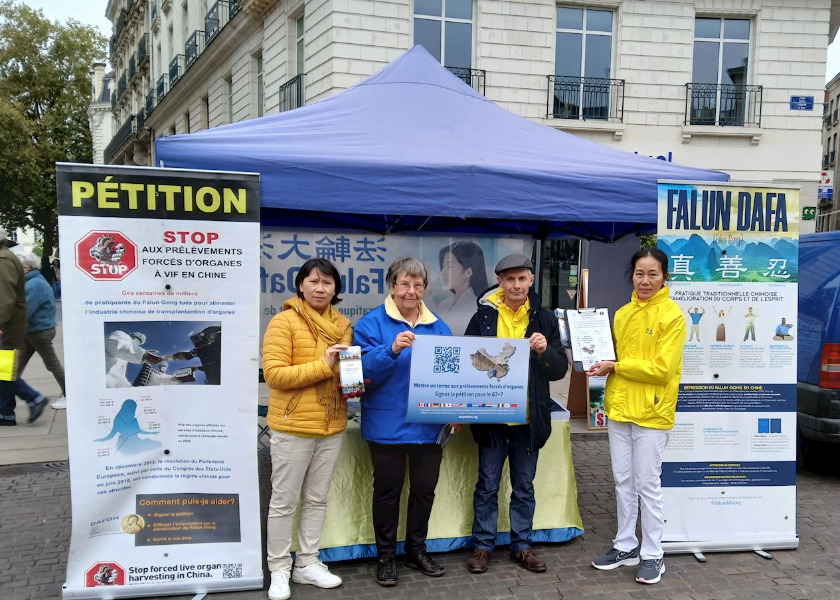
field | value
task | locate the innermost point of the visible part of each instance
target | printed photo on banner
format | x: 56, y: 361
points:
x: 149, y: 353
x: 468, y: 380
x: 459, y: 269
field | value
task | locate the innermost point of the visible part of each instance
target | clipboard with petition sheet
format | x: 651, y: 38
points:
x: 590, y: 337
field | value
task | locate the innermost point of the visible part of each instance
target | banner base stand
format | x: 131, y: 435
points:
x: 759, y: 547
x: 161, y: 589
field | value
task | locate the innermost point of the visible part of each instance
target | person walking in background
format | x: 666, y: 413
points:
x: 695, y: 322
x: 512, y: 310
x: 13, y: 333
x: 386, y: 335
x: 307, y: 416
x: 56, y: 271
x: 641, y: 400
x: 749, y: 331
x: 40, y: 314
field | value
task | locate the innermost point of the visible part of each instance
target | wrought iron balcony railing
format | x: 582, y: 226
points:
x: 193, y: 47
x: 140, y: 119
x: 585, y: 98
x: 132, y: 66
x: 161, y: 88
x: 150, y: 101
x: 121, y: 83
x: 124, y: 133
x: 831, y: 158
x: 475, y: 78
x: 233, y: 8
x: 143, y: 50
x: 176, y: 69
x: 825, y: 161
x: 834, y: 116
x: 291, y: 94
x: 723, y: 105
x: 215, y: 19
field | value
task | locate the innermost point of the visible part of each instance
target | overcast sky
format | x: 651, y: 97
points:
x: 92, y: 12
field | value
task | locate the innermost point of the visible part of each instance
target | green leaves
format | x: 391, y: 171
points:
x: 45, y: 90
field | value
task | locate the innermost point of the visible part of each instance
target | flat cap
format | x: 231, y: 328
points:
x: 514, y: 261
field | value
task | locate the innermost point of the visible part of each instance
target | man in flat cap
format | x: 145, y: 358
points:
x: 512, y: 310
x: 13, y: 333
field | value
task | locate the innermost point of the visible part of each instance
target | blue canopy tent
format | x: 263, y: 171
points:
x: 414, y: 148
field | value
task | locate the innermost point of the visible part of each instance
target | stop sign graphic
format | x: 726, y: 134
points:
x: 104, y: 573
x: 106, y: 255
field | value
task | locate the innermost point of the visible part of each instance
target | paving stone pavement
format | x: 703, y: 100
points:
x: 35, y: 531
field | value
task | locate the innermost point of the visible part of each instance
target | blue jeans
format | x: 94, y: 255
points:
x: 523, y: 469
x: 8, y: 391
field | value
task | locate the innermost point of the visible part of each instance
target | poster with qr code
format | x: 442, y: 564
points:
x: 468, y: 380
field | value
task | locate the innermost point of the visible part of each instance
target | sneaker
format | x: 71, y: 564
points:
x: 37, y: 407
x: 386, y: 572
x: 316, y: 574
x: 616, y: 558
x: 279, y: 589
x: 59, y: 404
x: 651, y: 570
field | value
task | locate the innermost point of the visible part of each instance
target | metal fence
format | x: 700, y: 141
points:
x: 585, y: 98
x: 723, y: 105
x: 475, y: 78
x: 291, y: 94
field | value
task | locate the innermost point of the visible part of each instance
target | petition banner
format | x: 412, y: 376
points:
x: 729, y: 471
x: 160, y: 304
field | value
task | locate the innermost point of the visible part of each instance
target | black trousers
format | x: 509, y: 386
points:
x: 389, y: 462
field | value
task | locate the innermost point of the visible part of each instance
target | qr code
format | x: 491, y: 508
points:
x: 447, y: 359
x: 232, y: 571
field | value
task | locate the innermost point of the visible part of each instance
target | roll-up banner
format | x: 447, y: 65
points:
x: 160, y: 311
x: 729, y: 470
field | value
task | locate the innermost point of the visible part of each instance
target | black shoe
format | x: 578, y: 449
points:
x: 37, y: 408
x: 7, y: 422
x: 424, y: 563
x: 386, y: 572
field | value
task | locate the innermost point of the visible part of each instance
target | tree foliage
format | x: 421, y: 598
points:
x: 45, y: 90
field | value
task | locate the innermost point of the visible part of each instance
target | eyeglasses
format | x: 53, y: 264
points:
x: 404, y: 286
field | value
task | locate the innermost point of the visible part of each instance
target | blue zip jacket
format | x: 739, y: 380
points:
x: 385, y: 402
x: 40, y: 302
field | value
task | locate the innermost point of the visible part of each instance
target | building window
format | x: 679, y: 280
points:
x: 444, y: 28
x: 205, y: 113
x: 259, y: 86
x: 229, y: 90
x: 581, y: 87
x: 720, y: 94
x: 299, y: 31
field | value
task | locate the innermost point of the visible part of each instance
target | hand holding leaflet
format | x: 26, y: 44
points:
x: 590, y: 337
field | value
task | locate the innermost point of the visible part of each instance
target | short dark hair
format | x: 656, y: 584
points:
x: 470, y: 256
x: 653, y: 252
x: 325, y: 267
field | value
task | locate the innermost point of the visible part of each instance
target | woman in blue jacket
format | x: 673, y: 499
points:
x: 385, y: 335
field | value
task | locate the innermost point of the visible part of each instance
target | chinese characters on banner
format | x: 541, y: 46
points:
x: 729, y: 470
x: 160, y: 329
x: 459, y: 269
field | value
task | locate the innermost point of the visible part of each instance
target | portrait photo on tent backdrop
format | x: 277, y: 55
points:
x: 149, y: 353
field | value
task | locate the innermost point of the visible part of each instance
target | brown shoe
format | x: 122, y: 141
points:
x: 528, y: 560
x: 479, y: 561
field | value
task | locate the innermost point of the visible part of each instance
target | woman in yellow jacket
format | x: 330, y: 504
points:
x: 640, y: 401
x: 307, y: 416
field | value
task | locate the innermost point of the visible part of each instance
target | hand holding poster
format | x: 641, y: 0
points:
x: 590, y: 337
x: 468, y: 380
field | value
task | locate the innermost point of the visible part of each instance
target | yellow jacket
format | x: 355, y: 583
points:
x: 649, y: 339
x: 293, y: 371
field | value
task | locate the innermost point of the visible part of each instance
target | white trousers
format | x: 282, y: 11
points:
x: 636, y: 454
x: 301, y: 471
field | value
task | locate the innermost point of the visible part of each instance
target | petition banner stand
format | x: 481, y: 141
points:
x: 160, y: 310
x: 729, y: 470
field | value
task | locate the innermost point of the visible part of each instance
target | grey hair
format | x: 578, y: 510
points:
x: 408, y: 266
x: 28, y: 259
